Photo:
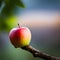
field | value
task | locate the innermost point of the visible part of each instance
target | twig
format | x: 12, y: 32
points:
x: 37, y: 53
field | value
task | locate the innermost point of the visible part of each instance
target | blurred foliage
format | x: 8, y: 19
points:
x: 7, y: 8
x: 8, y: 23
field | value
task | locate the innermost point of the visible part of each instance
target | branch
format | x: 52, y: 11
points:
x: 37, y: 53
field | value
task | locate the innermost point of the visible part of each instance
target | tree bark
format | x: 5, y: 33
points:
x: 37, y: 53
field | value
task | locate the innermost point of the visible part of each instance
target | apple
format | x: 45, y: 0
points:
x: 20, y: 36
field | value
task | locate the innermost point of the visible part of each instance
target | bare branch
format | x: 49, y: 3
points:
x: 37, y: 53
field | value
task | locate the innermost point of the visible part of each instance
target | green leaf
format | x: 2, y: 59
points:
x: 1, y: 2
x: 8, y: 9
x: 15, y: 2
x: 20, y: 3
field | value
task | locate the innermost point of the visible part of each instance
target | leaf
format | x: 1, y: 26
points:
x: 1, y: 2
x: 10, y: 6
x: 15, y: 2
x: 20, y: 4
x: 8, y: 9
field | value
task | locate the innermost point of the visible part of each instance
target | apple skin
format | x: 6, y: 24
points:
x: 20, y: 37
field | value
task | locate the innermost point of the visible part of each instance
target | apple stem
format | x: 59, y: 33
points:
x: 18, y: 25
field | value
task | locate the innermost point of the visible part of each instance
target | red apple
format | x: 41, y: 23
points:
x: 20, y: 36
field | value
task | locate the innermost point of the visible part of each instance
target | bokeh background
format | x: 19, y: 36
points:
x: 42, y: 17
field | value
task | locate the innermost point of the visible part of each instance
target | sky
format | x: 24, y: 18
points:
x: 37, y: 18
x: 40, y: 13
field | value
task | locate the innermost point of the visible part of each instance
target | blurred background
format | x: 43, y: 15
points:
x: 42, y: 17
